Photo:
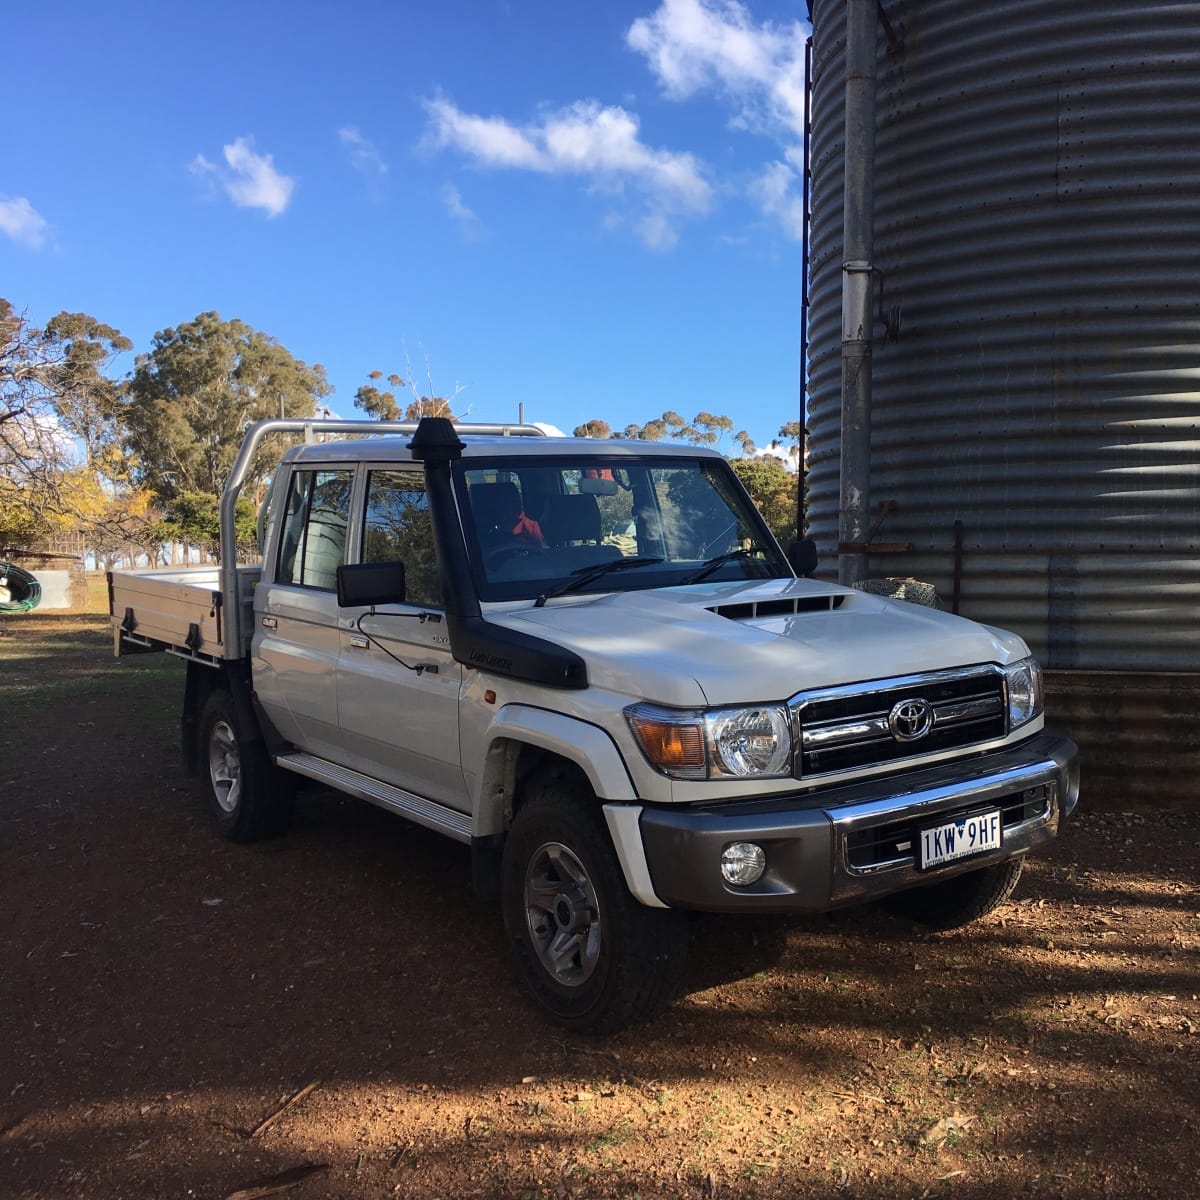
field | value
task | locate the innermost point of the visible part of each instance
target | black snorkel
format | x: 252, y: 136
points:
x: 475, y: 641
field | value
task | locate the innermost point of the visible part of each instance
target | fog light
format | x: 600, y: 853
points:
x: 743, y: 863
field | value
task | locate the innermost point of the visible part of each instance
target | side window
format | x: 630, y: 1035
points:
x: 398, y: 528
x: 313, y: 545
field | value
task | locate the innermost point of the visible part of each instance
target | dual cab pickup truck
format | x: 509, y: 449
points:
x: 591, y: 663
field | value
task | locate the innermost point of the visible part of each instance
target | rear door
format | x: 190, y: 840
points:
x: 296, y: 638
x: 397, y: 682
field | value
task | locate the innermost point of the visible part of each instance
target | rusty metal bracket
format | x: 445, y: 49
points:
x: 889, y: 320
x: 871, y: 546
x: 894, y: 40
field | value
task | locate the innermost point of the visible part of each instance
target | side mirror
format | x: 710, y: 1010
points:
x: 803, y: 557
x: 360, y: 585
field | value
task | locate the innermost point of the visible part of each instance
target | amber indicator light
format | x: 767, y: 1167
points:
x: 669, y: 744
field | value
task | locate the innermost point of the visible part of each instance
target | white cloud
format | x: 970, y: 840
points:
x: 692, y: 45
x: 364, y: 156
x: 469, y: 225
x: 22, y: 222
x: 777, y: 191
x: 601, y: 144
x: 490, y: 140
x: 657, y: 233
x: 604, y: 143
x: 249, y: 179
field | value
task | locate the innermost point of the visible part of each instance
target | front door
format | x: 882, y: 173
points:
x: 397, y: 682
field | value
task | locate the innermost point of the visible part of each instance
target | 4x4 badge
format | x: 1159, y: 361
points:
x: 910, y: 720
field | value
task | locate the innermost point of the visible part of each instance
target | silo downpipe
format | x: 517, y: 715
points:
x: 858, y: 228
x: 806, y: 256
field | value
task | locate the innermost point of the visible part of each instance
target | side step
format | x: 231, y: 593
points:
x: 429, y: 813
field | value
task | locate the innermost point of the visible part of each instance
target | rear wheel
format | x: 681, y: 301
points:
x: 248, y: 796
x: 960, y: 900
x: 586, y: 950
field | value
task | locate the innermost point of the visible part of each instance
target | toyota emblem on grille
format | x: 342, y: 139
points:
x: 910, y: 720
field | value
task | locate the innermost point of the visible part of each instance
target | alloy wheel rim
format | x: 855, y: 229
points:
x: 562, y: 914
x: 225, y: 767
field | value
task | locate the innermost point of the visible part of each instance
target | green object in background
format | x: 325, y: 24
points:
x: 19, y: 591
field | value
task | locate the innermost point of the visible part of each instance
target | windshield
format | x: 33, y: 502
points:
x: 541, y: 527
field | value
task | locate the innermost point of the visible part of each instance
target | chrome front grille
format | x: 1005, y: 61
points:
x: 843, y: 728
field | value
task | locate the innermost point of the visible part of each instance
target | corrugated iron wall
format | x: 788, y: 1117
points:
x: 1037, y: 230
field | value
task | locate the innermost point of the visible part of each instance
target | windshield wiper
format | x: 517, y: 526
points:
x: 582, y: 576
x: 721, y: 559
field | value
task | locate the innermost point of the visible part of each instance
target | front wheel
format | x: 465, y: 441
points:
x: 248, y: 796
x: 960, y: 900
x: 590, y: 954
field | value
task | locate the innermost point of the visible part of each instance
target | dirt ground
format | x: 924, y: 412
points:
x: 331, y: 1014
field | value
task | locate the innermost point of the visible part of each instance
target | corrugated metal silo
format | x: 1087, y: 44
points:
x: 1034, y: 425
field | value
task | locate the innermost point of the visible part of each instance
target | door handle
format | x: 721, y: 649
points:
x: 270, y: 623
x: 359, y: 643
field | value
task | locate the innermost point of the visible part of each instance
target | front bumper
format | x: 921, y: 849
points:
x: 846, y: 845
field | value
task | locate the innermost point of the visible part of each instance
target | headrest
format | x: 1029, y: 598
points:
x: 571, y: 519
x: 495, y: 503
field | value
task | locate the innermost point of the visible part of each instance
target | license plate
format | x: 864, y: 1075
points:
x: 960, y: 838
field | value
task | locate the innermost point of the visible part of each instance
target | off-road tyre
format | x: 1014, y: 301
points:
x: 958, y: 901
x: 585, y: 950
x: 248, y: 797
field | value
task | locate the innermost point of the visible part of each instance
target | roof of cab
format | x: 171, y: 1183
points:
x: 394, y: 448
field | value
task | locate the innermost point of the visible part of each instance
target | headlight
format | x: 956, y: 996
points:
x: 1023, y: 683
x: 748, y: 743
x: 724, y: 743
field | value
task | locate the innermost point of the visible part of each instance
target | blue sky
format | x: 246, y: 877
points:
x: 590, y: 208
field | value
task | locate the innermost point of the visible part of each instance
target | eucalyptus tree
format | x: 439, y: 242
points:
x: 382, y: 398
x: 192, y: 396
x: 772, y: 487
x: 59, y: 411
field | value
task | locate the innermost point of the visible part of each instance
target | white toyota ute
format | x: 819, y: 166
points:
x: 591, y: 663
